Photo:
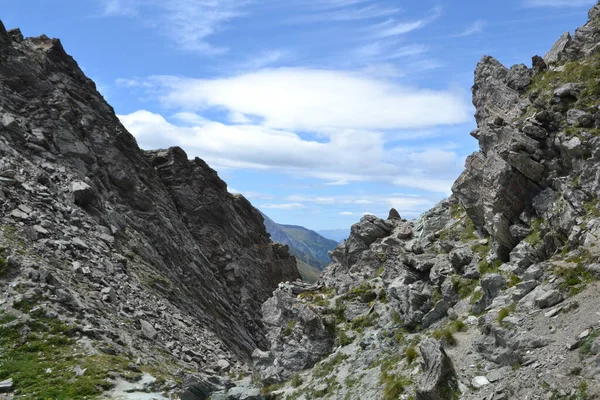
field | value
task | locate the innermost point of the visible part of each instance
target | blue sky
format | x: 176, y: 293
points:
x: 317, y: 111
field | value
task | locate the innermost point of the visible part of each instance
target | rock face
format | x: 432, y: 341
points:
x: 77, y: 189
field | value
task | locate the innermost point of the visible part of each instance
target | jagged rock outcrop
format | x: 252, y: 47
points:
x: 496, y: 285
x: 146, y: 252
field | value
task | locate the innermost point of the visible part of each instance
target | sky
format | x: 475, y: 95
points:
x: 317, y: 111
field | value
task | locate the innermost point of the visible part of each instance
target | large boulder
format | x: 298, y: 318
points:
x: 438, y: 380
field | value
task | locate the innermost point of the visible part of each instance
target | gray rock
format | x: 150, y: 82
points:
x: 479, y: 381
x: 555, y: 54
x: 148, y: 330
x: 7, y: 386
x: 549, y: 299
x: 460, y: 257
x: 438, y: 380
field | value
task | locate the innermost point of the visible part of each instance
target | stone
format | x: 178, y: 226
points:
x: 460, y: 257
x: 548, y: 299
x: 479, y: 381
x: 556, y: 53
x: 439, y: 378
x: 83, y: 193
x: 394, y: 215
x: 7, y: 386
x: 148, y: 330
x: 223, y: 365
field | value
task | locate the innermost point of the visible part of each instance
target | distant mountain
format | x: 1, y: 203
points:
x: 339, y: 235
x: 306, y: 245
x: 309, y: 273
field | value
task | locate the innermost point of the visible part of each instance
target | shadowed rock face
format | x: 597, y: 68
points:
x: 173, y: 214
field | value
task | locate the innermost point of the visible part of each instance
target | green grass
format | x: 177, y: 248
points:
x: 585, y: 347
x: 394, y: 384
x: 411, y: 354
x: 505, y: 312
x: 343, y: 338
x: 486, y: 267
x: 326, y: 368
x: 463, y: 286
x: 47, y: 347
x: 513, y: 280
x: 584, y: 72
x: 363, y: 293
x: 476, y: 296
x: 3, y: 263
x: 289, y: 328
x: 535, y: 237
x: 574, y: 280
x: 296, y: 381
x: 364, y: 321
x: 446, y: 333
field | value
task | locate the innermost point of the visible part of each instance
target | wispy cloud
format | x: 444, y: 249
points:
x: 474, y: 28
x: 559, y: 3
x: 188, y: 23
x: 283, y: 206
x: 391, y: 27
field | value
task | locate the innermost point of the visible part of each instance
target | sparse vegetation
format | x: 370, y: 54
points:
x: 296, y: 381
x: 574, y: 279
x: 364, y: 321
x: 505, y: 312
x: 289, y: 328
x: 47, y: 347
x: 446, y: 333
x: 363, y: 293
x: 343, y: 338
x: 325, y: 368
x: 535, y: 237
x: 463, y: 286
x: 411, y: 354
x: 585, y: 347
x: 486, y: 267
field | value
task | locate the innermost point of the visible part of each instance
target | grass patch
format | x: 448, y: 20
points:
x: 410, y: 354
x: 394, y: 384
x: 574, y: 280
x: 270, y: 388
x: 535, y: 237
x: 296, y: 381
x: 3, y: 263
x: 486, y: 267
x: 463, y: 286
x: 505, y: 312
x: 325, y: 368
x: 446, y: 333
x: 46, y: 346
x: 363, y: 293
x: 364, y: 321
x: 343, y: 338
x: 476, y: 296
x: 289, y: 328
x: 585, y: 348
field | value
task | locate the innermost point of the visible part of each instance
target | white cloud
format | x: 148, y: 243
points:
x: 474, y: 28
x: 305, y: 99
x: 283, y: 206
x: 347, y: 156
x: 347, y: 213
x: 188, y: 23
x: 559, y: 3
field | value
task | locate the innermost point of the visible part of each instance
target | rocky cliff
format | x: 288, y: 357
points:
x: 492, y: 294
x: 113, y: 260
